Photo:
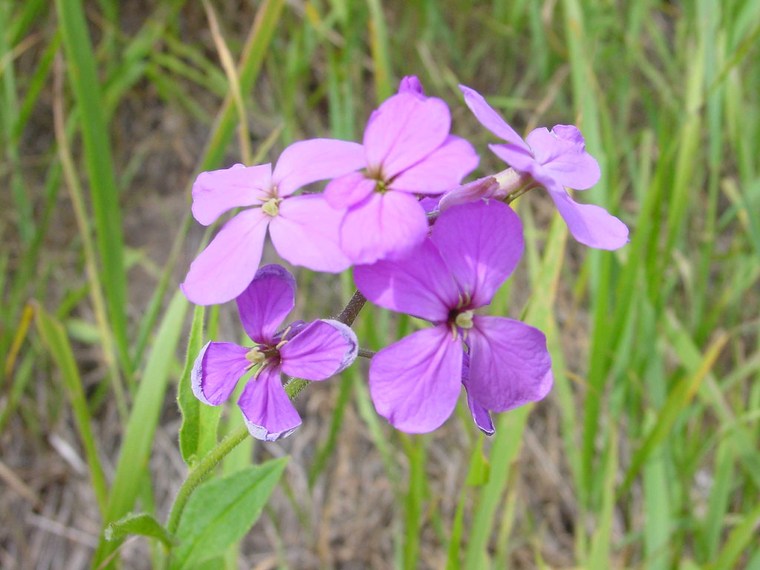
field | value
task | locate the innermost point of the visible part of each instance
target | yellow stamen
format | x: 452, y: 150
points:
x: 464, y: 320
x: 255, y: 356
x: 283, y: 341
x: 271, y: 207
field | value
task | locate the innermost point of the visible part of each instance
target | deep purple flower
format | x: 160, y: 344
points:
x: 502, y: 363
x: 556, y: 159
x: 408, y: 152
x: 312, y: 351
x: 304, y: 229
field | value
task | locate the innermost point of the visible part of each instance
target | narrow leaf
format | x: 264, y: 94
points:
x: 141, y: 524
x: 188, y: 403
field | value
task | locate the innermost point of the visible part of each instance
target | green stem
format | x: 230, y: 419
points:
x: 202, y: 470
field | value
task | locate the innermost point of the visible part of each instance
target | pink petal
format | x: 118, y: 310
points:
x: 225, y: 268
x: 322, y: 349
x: 411, y: 84
x: 591, y: 225
x: 490, y: 119
x: 520, y: 159
x: 216, y: 371
x: 308, y: 161
x: 415, y: 382
x: 481, y: 242
x: 481, y: 188
x: 267, y: 411
x: 403, y: 131
x: 382, y: 226
x: 419, y: 284
x: 571, y: 134
x: 266, y: 302
x: 306, y: 233
x: 217, y: 191
x: 430, y: 203
x: 348, y: 190
x: 564, y: 159
x: 509, y: 363
x: 441, y: 170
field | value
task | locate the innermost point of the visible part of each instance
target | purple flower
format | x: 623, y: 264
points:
x: 407, y: 152
x: 312, y: 351
x: 555, y: 159
x: 304, y: 229
x: 501, y: 362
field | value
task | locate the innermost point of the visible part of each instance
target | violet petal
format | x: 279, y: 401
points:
x: 267, y: 410
x: 481, y: 242
x: 216, y: 371
x: 416, y: 381
x: 322, y: 349
x: 266, y: 302
x: 509, y: 363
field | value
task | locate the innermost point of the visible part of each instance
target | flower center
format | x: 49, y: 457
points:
x: 255, y: 355
x: 376, y: 174
x: 271, y: 207
x: 464, y: 320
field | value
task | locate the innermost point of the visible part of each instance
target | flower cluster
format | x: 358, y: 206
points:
x: 421, y: 243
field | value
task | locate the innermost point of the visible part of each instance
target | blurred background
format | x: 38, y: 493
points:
x: 647, y: 452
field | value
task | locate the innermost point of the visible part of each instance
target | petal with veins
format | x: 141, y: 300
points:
x: 419, y: 284
x: 404, y: 130
x: 416, y: 381
x: 306, y: 233
x: 490, y: 119
x: 383, y: 226
x: 311, y: 160
x: 481, y: 243
x: 441, y: 170
x: 216, y: 371
x: 225, y: 268
x: 321, y: 350
x: 591, y: 225
x: 218, y: 191
x: 266, y: 302
x: 267, y: 410
x: 509, y: 363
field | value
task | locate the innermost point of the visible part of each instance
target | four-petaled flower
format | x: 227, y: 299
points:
x: 408, y: 152
x: 502, y: 363
x: 304, y: 229
x: 555, y: 159
x: 312, y: 351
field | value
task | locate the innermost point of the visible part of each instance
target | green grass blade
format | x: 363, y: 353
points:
x: 143, y: 419
x: 104, y: 193
x: 600, y: 546
x: 742, y: 537
x: 54, y: 336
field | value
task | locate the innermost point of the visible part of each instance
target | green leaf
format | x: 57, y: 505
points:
x: 222, y: 510
x: 142, y: 524
x: 188, y: 403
